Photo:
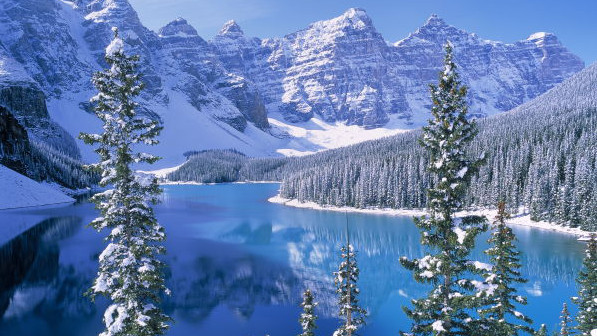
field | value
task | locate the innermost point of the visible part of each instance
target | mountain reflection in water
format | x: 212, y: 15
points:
x: 238, y: 266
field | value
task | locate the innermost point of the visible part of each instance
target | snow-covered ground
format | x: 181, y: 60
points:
x: 18, y: 191
x: 519, y: 220
x: 315, y: 135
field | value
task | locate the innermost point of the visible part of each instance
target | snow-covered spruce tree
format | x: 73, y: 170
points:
x: 130, y: 274
x: 308, y: 317
x: 504, y: 272
x: 542, y: 331
x: 346, y: 278
x: 565, y: 322
x: 587, y: 290
x: 446, y: 309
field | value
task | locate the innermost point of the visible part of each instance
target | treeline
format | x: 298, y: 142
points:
x: 541, y: 156
x: 221, y: 166
x: 45, y: 163
x: 547, y: 166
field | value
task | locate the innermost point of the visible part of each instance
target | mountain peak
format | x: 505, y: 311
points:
x: 356, y: 17
x: 179, y: 27
x: 356, y: 12
x: 435, y: 21
x: 543, y: 39
x: 436, y: 29
x: 231, y: 28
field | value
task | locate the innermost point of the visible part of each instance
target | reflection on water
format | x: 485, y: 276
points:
x: 238, y: 266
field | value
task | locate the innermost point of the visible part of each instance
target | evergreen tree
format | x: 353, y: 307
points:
x: 503, y: 273
x: 446, y: 309
x: 587, y: 291
x: 129, y: 272
x: 346, y: 279
x: 565, y: 321
x: 542, y: 331
x: 308, y: 317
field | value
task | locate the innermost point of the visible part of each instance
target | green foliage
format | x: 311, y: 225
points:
x: 221, y: 166
x: 499, y: 305
x: 446, y: 309
x: 542, y: 331
x: 130, y: 274
x: 587, y: 290
x: 565, y: 322
x: 308, y: 317
x: 346, y: 278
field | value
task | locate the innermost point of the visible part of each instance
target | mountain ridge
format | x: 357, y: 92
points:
x: 267, y: 96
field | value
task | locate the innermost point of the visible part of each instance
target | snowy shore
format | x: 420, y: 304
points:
x: 213, y: 183
x: 19, y: 191
x: 520, y: 220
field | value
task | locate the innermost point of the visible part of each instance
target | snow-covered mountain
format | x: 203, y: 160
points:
x: 343, y: 70
x: 333, y: 83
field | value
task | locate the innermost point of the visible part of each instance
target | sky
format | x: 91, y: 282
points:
x: 574, y: 22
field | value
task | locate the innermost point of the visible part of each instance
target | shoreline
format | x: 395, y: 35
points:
x: 39, y: 205
x: 213, y: 183
x: 517, y: 220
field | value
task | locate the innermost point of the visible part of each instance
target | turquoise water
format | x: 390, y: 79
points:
x: 239, y: 264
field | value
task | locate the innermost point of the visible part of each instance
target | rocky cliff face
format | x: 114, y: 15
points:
x: 14, y: 142
x: 206, y: 81
x: 338, y: 70
x: 25, y: 100
x: 500, y: 76
x: 28, y: 105
x: 343, y: 70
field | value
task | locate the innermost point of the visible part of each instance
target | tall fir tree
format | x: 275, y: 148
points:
x: 130, y: 273
x: 446, y: 309
x: 542, y: 331
x: 587, y: 290
x: 565, y: 321
x: 308, y: 317
x: 504, y: 271
x: 346, y: 278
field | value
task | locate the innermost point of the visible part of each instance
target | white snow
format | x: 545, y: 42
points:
x: 517, y: 220
x: 460, y: 233
x: 315, y: 135
x: 161, y: 173
x: 427, y: 274
x: 114, y: 47
x: 315, y: 206
x: 19, y: 191
x: 487, y: 288
x: 518, y: 314
x: 536, y: 36
x: 482, y: 266
x: 438, y: 326
x: 462, y: 172
x: 12, y: 71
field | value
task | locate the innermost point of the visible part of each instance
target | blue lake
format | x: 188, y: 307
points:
x: 238, y: 266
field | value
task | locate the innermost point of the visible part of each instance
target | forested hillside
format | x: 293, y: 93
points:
x: 37, y: 159
x: 541, y: 156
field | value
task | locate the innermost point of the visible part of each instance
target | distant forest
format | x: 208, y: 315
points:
x: 541, y: 156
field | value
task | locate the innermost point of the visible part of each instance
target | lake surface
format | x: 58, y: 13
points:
x: 239, y: 264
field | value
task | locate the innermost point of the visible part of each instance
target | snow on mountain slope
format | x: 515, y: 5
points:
x: 343, y: 70
x: 576, y: 92
x: 331, y: 84
x: 20, y: 191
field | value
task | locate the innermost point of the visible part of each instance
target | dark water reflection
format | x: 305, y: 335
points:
x: 238, y: 265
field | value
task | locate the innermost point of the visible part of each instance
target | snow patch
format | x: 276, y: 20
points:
x: 114, y: 47
x: 19, y: 191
